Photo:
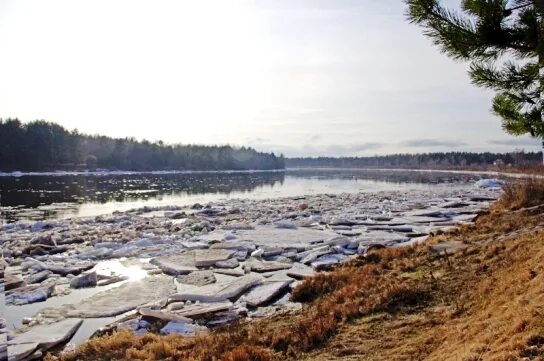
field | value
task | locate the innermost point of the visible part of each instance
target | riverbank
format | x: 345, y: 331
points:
x: 192, y: 269
x: 475, y: 293
x: 516, y: 172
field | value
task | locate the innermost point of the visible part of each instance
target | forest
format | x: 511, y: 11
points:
x: 45, y: 146
x: 449, y: 160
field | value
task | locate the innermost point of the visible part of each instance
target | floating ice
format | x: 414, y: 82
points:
x: 489, y: 183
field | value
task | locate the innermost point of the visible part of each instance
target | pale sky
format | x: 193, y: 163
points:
x: 301, y: 77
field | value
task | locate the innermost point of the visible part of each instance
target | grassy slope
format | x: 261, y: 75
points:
x: 485, y: 302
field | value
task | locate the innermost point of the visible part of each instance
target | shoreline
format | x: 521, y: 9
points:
x: 472, y: 293
x: 59, y: 173
x: 417, y: 170
x: 246, y: 244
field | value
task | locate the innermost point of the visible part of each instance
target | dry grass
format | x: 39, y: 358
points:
x: 535, y: 169
x: 484, y: 303
x: 366, y: 288
x: 488, y: 302
x: 244, y: 353
x: 528, y: 193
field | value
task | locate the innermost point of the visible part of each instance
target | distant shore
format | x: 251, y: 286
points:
x: 509, y: 172
x: 537, y: 172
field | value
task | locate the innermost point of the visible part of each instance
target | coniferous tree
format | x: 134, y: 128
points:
x: 504, y: 41
x: 44, y: 146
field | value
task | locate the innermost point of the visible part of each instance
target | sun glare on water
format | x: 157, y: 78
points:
x: 115, y: 267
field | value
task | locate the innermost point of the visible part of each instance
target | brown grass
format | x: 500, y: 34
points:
x: 243, y: 353
x: 535, y: 169
x: 484, y: 303
x: 360, y: 288
x: 527, y: 193
x: 489, y: 302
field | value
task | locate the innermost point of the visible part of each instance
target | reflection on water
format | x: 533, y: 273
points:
x: 33, y: 191
x: 44, y: 197
x: 38, y: 197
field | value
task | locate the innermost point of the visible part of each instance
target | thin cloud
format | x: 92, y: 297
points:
x: 354, y: 148
x: 515, y: 142
x: 255, y: 141
x: 316, y: 150
x: 420, y: 143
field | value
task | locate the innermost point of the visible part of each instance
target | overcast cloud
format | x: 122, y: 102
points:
x: 302, y: 77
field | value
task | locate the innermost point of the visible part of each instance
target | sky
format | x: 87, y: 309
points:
x: 298, y: 77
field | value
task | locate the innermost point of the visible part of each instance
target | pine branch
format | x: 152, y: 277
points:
x: 511, y: 76
x: 515, y: 120
x: 454, y: 33
x: 486, y: 31
x: 486, y: 36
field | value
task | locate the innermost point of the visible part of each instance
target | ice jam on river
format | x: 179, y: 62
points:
x: 190, y: 269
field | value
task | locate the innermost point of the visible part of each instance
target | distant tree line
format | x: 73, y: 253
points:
x: 45, y: 146
x: 424, y: 160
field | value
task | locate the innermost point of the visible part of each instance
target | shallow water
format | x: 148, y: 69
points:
x: 49, y: 196
x: 15, y: 314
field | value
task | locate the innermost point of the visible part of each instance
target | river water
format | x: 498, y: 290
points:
x: 62, y: 195
x: 55, y: 196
